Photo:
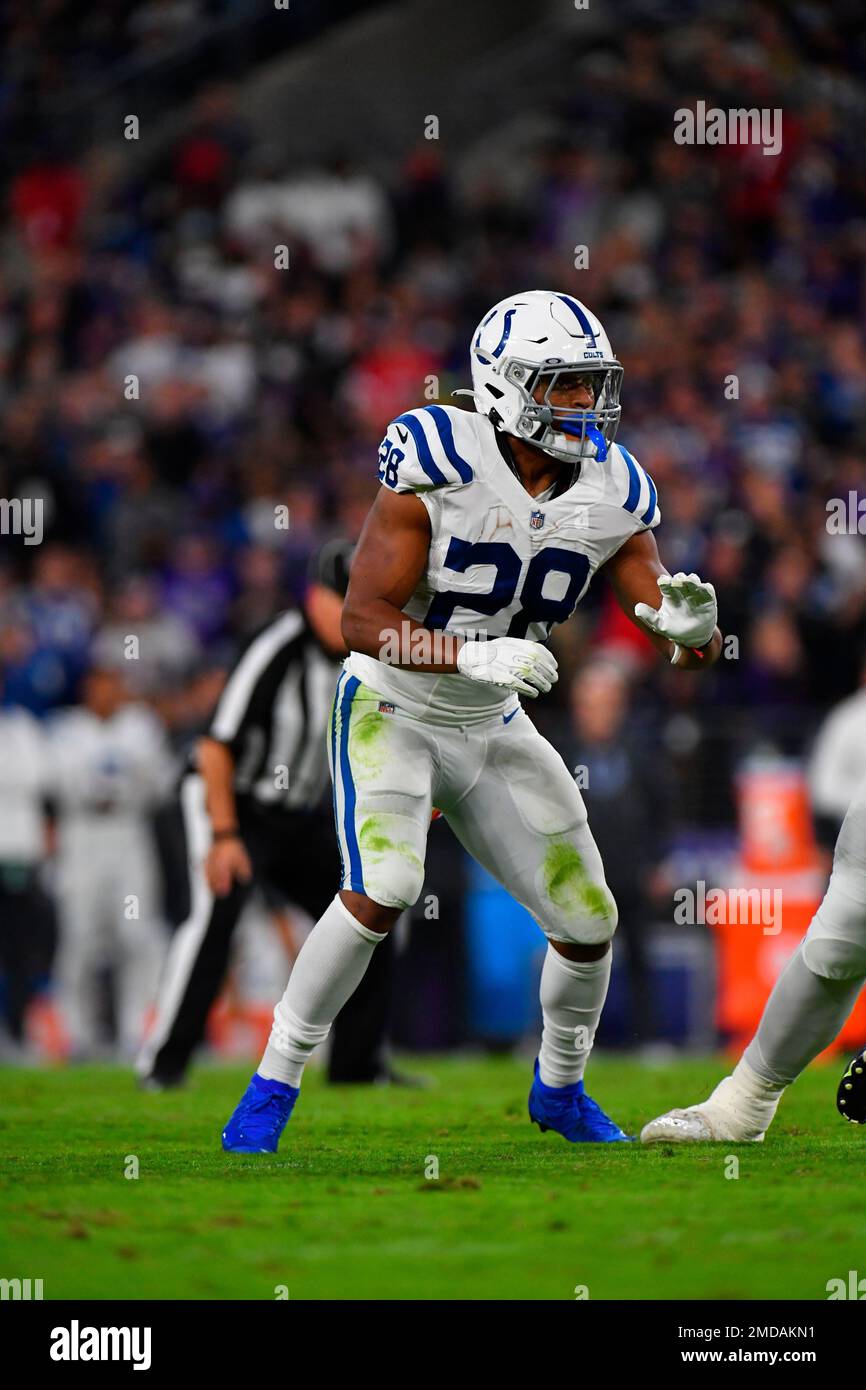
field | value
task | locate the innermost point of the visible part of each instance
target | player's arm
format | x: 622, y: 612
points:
x: 227, y: 859
x: 677, y: 613
x: 389, y: 561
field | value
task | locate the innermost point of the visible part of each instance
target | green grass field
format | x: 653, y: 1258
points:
x: 345, y: 1210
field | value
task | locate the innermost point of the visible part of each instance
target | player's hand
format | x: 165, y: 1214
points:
x: 227, y: 863
x: 688, y: 611
x: 510, y: 662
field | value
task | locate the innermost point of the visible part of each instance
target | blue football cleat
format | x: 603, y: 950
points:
x: 572, y: 1113
x: 260, y: 1117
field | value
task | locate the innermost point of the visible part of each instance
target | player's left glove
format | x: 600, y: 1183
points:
x: 688, y: 612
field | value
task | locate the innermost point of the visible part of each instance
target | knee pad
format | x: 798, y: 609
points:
x: 586, y: 928
x: 392, y: 866
x: 835, y: 944
x: 834, y: 958
x: 573, y: 902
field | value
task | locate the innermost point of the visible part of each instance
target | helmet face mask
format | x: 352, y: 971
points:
x: 527, y: 354
x: 567, y: 431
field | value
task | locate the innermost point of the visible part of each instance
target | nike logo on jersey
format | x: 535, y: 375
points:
x: 507, y: 718
x: 404, y: 434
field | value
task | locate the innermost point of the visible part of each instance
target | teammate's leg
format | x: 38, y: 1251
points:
x: 524, y: 820
x: 383, y: 770
x: 806, y: 1009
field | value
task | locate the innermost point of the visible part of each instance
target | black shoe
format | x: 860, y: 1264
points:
x: 851, y: 1095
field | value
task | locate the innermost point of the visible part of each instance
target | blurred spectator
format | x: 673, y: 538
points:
x: 774, y: 680
x: 46, y: 201
x: 167, y: 651
x: 625, y: 799
x: 110, y: 767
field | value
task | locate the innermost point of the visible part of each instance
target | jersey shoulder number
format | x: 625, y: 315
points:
x: 428, y: 448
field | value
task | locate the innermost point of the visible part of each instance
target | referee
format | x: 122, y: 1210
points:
x: 252, y: 813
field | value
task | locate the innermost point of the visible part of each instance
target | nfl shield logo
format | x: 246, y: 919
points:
x: 536, y: 520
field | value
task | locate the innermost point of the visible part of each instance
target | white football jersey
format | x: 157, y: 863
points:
x: 123, y: 762
x: 501, y: 563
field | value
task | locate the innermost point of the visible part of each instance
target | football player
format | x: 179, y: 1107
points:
x: 487, y: 530
x: 806, y: 1009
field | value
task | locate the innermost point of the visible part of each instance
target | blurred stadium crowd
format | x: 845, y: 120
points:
x: 165, y: 387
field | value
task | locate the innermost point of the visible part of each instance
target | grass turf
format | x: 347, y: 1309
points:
x: 345, y: 1211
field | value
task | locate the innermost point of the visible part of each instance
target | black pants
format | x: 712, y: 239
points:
x: 28, y: 936
x: 295, y: 858
x: 634, y: 914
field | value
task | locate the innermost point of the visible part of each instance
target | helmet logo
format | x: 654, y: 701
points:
x: 506, y: 330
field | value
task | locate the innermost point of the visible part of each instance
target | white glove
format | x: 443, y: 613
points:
x: 511, y: 662
x: 688, y: 613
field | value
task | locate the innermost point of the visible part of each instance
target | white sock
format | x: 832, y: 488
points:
x: 572, y: 997
x: 328, y: 970
x: 754, y: 1086
x: 750, y: 1099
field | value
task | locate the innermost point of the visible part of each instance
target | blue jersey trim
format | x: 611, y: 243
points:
x: 446, y: 436
x: 422, y: 448
x: 635, y: 474
x: 633, y: 498
x: 650, y: 511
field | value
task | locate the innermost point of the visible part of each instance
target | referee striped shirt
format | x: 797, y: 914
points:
x: 273, y: 715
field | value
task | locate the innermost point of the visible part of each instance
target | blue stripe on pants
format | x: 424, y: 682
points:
x: 356, y: 880
x: 335, y: 771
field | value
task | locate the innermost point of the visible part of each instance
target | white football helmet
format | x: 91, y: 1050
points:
x: 536, y: 339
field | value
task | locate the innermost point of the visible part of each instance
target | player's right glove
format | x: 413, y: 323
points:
x: 511, y: 662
